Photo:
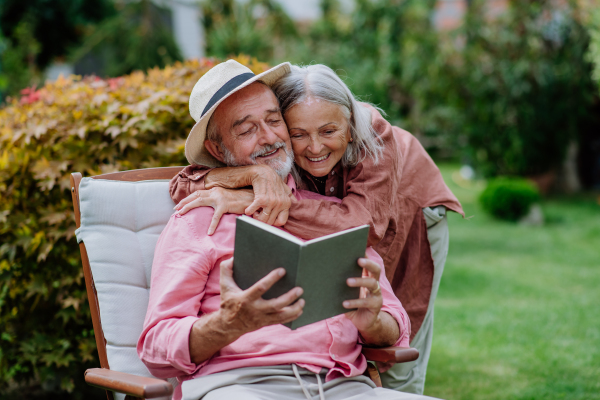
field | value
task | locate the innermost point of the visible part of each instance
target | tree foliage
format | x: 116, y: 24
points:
x: 137, y: 37
x: 593, y: 55
x: 525, y: 90
x: 57, y: 25
x: 504, y: 93
x: 17, y: 60
x: 390, y: 54
x: 93, y: 126
x: 256, y: 27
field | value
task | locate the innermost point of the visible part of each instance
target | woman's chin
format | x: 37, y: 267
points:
x: 318, y: 168
x: 319, y: 172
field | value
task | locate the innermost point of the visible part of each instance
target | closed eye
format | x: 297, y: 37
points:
x: 297, y: 135
x: 247, y: 132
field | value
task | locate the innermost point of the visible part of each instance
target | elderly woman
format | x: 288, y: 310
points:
x: 345, y: 149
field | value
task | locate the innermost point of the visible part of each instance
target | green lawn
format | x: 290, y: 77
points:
x: 518, y: 311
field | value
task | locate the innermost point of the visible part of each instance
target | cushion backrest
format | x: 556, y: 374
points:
x: 120, y: 225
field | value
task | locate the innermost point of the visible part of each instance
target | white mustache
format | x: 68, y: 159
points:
x: 267, y: 149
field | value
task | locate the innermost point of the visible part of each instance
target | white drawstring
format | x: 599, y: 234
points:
x: 321, y: 394
x: 308, y: 396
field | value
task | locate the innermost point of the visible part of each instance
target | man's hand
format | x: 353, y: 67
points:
x: 224, y: 201
x: 272, y: 195
x: 376, y: 327
x: 246, y: 311
x: 241, y: 311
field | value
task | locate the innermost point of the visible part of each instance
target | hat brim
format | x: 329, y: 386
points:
x: 195, y: 151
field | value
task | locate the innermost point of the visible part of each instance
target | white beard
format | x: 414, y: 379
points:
x: 282, y: 168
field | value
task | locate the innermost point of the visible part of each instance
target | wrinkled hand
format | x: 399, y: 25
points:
x: 245, y: 311
x: 272, y: 195
x: 370, y: 300
x: 224, y: 201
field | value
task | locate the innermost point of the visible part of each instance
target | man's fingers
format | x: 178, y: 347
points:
x: 226, y: 276
x: 254, y: 207
x: 282, y: 206
x: 262, y: 217
x: 289, y: 313
x: 282, y: 218
x: 275, y: 305
x: 260, y: 287
x: 273, y: 213
x: 214, y: 223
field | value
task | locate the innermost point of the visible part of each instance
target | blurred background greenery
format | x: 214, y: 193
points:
x: 494, y: 89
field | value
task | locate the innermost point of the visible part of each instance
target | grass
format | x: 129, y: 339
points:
x: 518, y: 311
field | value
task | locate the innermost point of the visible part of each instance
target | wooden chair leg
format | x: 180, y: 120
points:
x: 374, y: 374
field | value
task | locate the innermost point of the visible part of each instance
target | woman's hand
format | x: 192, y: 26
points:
x: 224, y: 201
x: 272, y: 197
x: 375, y: 327
x: 370, y: 300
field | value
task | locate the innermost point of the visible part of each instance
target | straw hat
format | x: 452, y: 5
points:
x: 211, y: 89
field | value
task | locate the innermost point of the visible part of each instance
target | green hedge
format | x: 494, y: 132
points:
x: 509, y: 198
x: 92, y: 126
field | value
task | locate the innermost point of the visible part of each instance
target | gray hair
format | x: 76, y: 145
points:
x: 212, y: 132
x: 321, y: 82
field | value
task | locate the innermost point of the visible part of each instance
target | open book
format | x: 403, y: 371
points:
x: 319, y: 266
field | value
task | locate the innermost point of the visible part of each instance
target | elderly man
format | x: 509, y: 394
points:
x: 222, y: 342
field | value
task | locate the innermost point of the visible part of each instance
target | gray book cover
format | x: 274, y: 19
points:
x: 320, y: 266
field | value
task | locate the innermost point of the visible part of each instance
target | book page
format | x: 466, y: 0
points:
x: 322, y: 272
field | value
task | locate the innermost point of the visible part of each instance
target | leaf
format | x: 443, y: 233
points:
x: 113, y: 131
x: 82, y: 125
x: 71, y: 301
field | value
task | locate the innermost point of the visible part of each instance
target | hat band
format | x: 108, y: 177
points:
x: 226, y: 88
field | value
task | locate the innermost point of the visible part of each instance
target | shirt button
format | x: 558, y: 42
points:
x: 331, y: 190
x: 332, y: 172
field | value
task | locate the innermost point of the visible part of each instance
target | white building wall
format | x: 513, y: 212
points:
x: 187, y: 28
x: 301, y: 10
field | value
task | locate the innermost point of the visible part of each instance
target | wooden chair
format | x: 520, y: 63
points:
x: 119, y: 217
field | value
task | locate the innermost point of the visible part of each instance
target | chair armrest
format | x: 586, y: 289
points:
x: 134, y: 385
x: 391, y: 354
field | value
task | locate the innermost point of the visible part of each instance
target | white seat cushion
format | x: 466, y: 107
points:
x: 120, y: 224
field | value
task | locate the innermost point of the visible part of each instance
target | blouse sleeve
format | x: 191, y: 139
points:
x: 186, y: 182
x: 180, y: 271
x: 369, y: 194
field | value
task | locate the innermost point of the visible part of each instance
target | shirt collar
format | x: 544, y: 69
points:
x: 292, y: 184
x: 336, y: 172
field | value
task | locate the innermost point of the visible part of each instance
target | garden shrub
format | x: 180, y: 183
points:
x: 92, y: 126
x: 509, y: 198
x: 525, y: 86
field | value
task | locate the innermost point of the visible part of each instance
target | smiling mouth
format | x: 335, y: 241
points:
x: 317, y: 159
x: 269, y: 154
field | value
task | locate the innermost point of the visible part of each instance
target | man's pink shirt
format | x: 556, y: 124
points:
x: 185, y: 286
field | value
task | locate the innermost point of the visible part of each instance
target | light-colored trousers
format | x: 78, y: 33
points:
x: 285, y: 382
x: 410, y: 377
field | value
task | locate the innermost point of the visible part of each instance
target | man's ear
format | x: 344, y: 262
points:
x: 214, y: 149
